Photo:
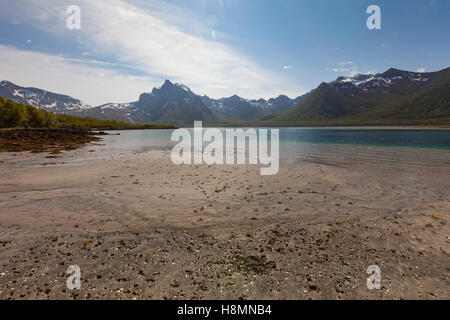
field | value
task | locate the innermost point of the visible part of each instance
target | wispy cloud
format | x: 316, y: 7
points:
x: 345, y: 63
x: 287, y: 67
x: 421, y: 70
x: 347, y: 68
x: 93, y: 83
x: 341, y: 70
x: 160, y: 41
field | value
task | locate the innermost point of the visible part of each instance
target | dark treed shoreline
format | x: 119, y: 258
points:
x: 16, y: 115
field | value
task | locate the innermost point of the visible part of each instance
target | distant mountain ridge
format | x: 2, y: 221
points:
x: 174, y: 103
x: 170, y: 103
x: 42, y: 99
x: 394, y: 94
x: 235, y: 108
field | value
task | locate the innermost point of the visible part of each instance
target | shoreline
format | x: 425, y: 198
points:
x: 52, y: 141
x: 327, y: 125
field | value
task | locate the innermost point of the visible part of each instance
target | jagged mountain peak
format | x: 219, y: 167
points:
x: 166, y: 85
x: 170, y: 88
x: 234, y: 96
x: 260, y: 100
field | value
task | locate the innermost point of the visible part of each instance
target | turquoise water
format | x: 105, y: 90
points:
x: 141, y: 140
x: 435, y: 139
x: 335, y: 146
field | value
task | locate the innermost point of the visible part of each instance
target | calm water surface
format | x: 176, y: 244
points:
x: 371, y: 145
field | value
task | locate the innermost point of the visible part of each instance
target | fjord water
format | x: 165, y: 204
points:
x: 332, y: 144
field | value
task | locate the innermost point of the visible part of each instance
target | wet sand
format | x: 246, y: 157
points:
x: 140, y: 227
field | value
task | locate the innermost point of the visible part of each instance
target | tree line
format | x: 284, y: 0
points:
x: 18, y: 115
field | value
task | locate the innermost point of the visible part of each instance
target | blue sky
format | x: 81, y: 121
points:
x: 253, y: 48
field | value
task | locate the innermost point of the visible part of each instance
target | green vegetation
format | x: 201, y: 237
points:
x: 322, y: 104
x: 431, y: 103
x: 65, y: 121
x: 17, y: 115
x: 405, y: 103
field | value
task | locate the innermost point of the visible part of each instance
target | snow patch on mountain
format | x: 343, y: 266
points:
x: 387, y: 79
x: 118, y: 106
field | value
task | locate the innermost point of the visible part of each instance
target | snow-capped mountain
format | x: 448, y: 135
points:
x: 42, y: 99
x: 280, y: 103
x: 125, y: 112
x: 394, y: 94
x: 392, y: 81
x: 233, y: 108
x: 171, y: 103
x: 236, y: 108
x: 118, y: 106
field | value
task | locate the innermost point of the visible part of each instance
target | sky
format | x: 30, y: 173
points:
x: 253, y: 48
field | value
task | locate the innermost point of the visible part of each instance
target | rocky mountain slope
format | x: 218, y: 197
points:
x: 393, y: 94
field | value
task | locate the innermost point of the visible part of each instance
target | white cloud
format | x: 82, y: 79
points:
x: 422, y: 70
x: 346, y: 68
x: 94, y: 84
x: 340, y: 70
x: 161, y: 41
x: 345, y: 63
x: 287, y: 67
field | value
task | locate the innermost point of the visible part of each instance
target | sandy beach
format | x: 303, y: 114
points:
x: 140, y: 227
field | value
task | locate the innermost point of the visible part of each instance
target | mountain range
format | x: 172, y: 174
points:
x: 172, y: 103
x: 392, y: 95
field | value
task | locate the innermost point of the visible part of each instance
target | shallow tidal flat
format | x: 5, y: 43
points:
x: 140, y: 227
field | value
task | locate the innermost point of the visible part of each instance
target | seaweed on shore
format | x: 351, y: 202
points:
x: 52, y: 141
